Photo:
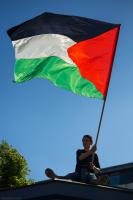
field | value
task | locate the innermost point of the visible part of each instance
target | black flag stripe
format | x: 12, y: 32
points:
x: 77, y: 28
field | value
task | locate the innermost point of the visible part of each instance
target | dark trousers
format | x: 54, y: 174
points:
x: 83, y: 176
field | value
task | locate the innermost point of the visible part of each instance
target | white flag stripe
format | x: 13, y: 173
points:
x: 44, y: 45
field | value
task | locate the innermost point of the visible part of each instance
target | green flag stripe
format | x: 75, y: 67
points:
x: 58, y: 71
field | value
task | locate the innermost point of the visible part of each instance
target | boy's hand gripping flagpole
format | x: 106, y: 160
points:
x: 101, y: 116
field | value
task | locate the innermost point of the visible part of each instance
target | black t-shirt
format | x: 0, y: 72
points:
x: 85, y: 162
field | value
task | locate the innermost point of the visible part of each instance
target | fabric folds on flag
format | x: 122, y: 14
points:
x: 74, y: 53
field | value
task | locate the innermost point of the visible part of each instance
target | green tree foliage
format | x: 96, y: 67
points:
x: 13, y: 167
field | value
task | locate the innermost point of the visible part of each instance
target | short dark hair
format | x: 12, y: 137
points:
x: 88, y: 136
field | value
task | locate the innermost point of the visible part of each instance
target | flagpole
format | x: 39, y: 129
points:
x: 100, y: 121
x: 103, y: 107
x: 99, y: 126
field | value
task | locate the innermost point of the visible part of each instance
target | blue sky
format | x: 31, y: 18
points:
x: 46, y: 123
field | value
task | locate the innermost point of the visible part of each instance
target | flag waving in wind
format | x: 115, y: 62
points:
x: 74, y: 53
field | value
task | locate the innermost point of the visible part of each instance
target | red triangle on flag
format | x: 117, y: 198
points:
x: 94, y: 58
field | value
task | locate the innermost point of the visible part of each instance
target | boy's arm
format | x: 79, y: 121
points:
x: 88, y: 153
x: 95, y: 165
x: 96, y: 169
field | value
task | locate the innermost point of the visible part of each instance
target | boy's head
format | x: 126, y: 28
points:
x: 87, y: 141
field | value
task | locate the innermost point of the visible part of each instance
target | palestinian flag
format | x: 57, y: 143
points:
x: 75, y: 53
